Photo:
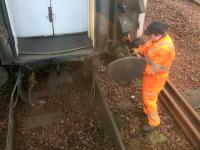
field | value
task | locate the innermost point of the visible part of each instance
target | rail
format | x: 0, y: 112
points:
x: 183, y: 113
x: 108, y: 119
x: 197, y: 1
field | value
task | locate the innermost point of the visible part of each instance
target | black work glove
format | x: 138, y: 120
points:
x: 136, y: 43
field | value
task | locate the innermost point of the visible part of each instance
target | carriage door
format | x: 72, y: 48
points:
x: 49, y: 17
x: 31, y: 17
x: 70, y: 16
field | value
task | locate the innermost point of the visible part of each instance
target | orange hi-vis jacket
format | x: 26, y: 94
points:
x: 159, y: 57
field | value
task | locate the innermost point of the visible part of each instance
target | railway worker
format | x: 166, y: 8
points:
x: 159, y: 53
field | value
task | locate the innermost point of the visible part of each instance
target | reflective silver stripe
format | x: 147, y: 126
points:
x: 153, y: 50
x: 148, y: 60
x: 155, y: 67
x: 150, y: 94
x: 153, y: 70
x: 154, y: 116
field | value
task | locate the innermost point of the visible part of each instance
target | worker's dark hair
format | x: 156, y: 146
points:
x: 156, y: 28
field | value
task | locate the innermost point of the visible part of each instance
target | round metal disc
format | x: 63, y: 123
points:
x: 126, y: 69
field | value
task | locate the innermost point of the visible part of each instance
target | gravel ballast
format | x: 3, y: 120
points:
x: 63, y: 115
x: 4, y: 109
x: 80, y: 127
x: 131, y: 120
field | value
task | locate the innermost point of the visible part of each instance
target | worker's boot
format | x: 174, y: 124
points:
x: 143, y: 114
x: 148, y: 128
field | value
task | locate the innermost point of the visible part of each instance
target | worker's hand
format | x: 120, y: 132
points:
x: 134, y: 51
x: 137, y: 42
x: 130, y: 38
x: 127, y: 38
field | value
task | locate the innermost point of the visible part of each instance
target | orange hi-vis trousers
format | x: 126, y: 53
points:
x: 159, y: 57
x: 152, y: 85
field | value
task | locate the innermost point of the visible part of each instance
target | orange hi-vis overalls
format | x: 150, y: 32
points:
x: 159, y: 57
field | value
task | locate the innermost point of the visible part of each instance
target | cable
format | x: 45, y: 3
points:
x: 16, y: 99
x: 93, y: 87
x: 30, y: 91
x: 10, y: 133
x: 15, y: 88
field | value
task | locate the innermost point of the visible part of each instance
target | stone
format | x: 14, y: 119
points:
x: 41, y: 120
x: 156, y: 137
x: 192, y: 96
x: 134, y: 144
x: 125, y: 105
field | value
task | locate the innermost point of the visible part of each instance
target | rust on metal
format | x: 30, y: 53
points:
x: 183, y: 113
x: 108, y: 118
x: 197, y: 1
x: 126, y: 69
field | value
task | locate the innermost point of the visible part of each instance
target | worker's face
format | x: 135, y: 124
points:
x: 155, y: 38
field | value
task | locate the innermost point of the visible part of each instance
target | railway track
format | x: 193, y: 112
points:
x: 109, y: 125
x: 197, y: 1
x: 183, y: 113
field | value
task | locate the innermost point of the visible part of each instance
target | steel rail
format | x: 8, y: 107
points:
x: 183, y: 113
x: 108, y: 118
x: 106, y: 115
x: 10, y: 138
x: 197, y: 1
